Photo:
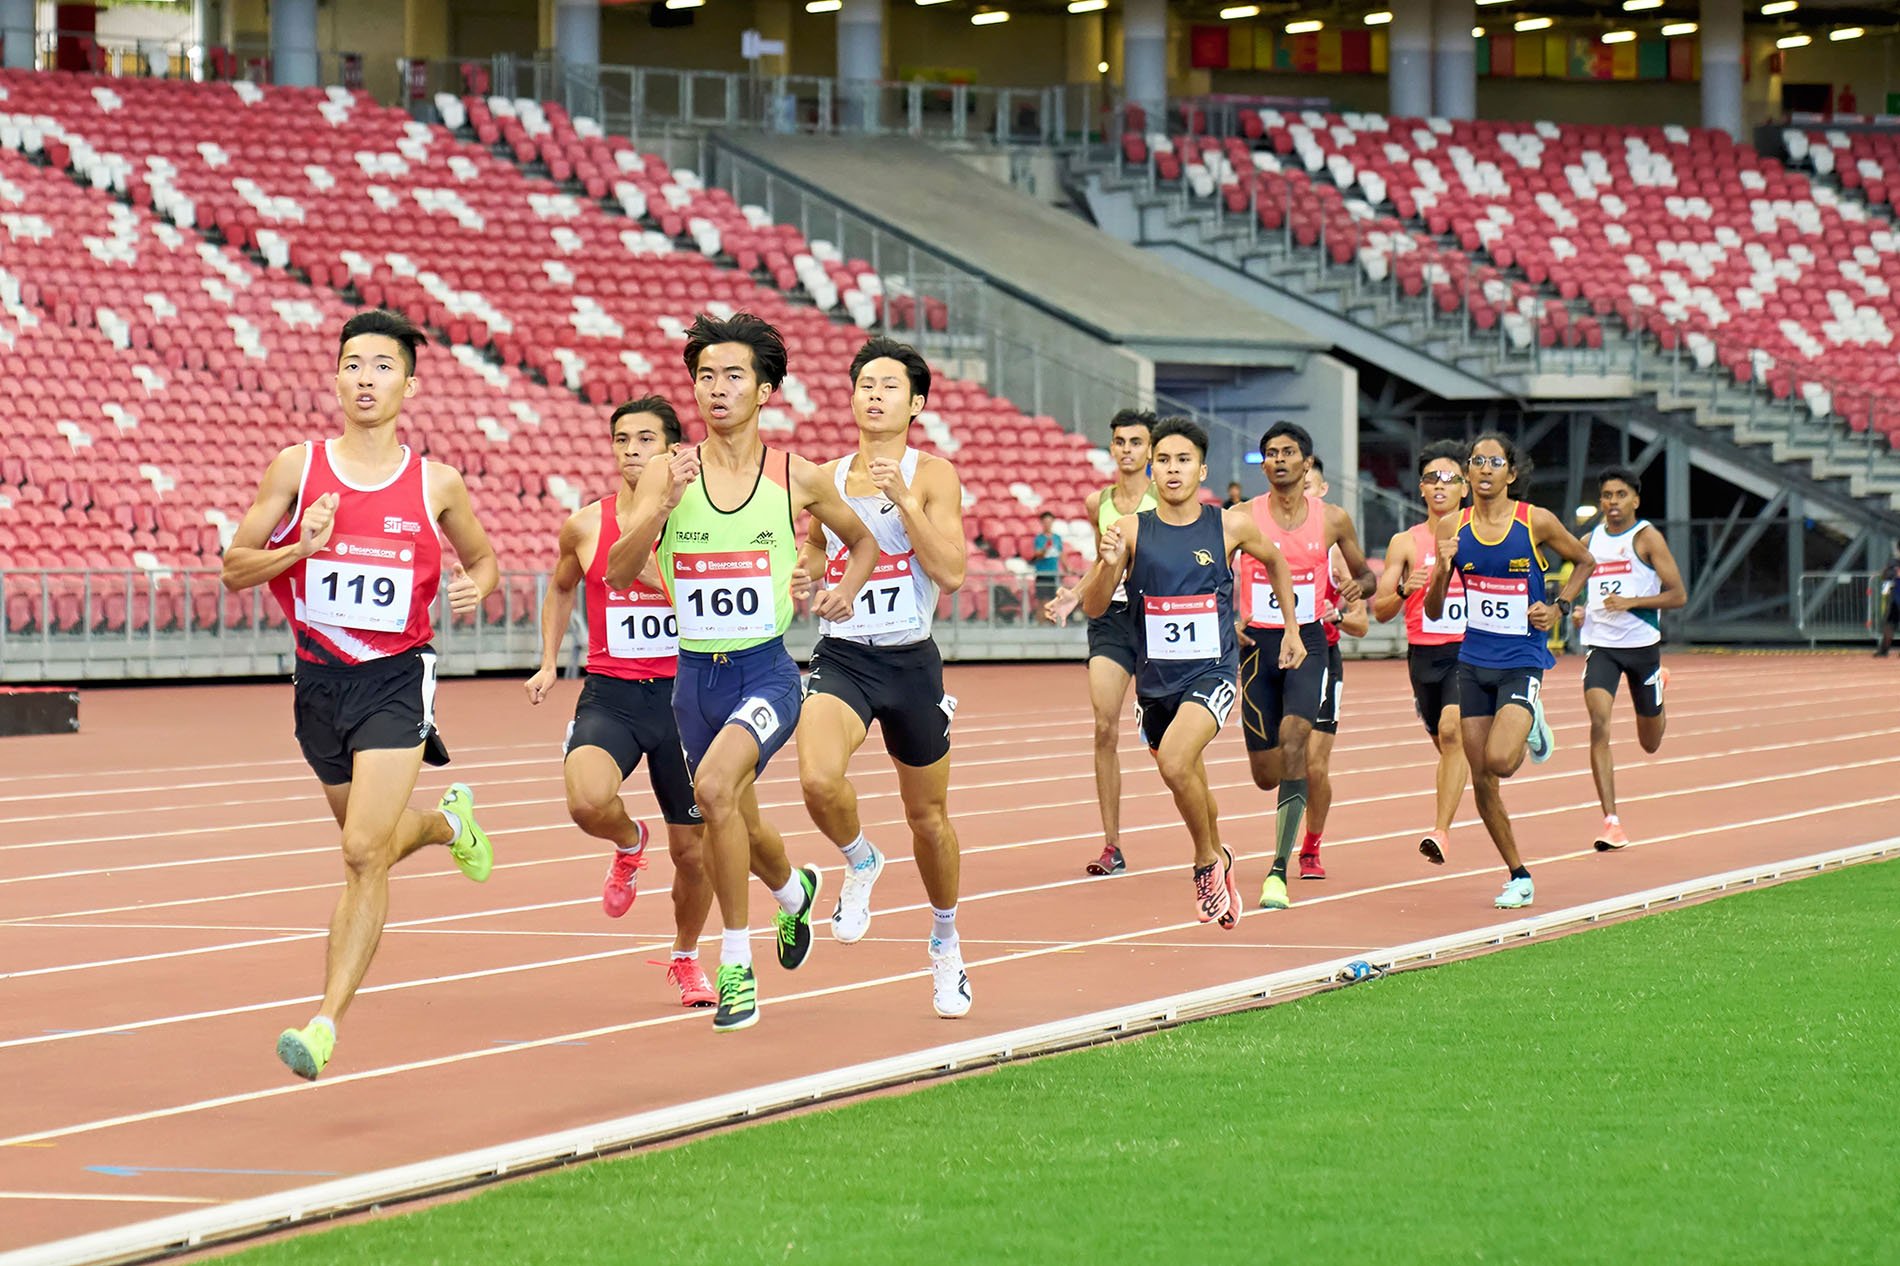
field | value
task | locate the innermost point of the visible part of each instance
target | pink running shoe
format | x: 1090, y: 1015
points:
x: 1212, y: 891
x: 622, y: 886
x: 695, y: 989
x: 1231, y: 919
x: 1611, y: 837
x: 1310, y: 867
x: 1432, y: 847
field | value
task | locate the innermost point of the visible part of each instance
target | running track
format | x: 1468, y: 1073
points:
x: 166, y: 876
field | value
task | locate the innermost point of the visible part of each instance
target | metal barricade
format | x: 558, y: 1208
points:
x: 1838, y: 606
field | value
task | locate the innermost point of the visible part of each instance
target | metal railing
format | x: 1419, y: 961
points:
x: 1839, y: 606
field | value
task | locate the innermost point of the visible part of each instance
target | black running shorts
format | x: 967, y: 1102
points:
x: 631, y: 719
x: 1483, y: 691
x: 1330, y: 691
x: 899, y: 687
x: 1605, y: 666
x: 1434, y: 672
x: 1269, y: 693
x: 1215, y: 692
x: 384, y: 704
x: 1113, y: 634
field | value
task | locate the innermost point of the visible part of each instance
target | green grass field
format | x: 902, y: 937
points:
x: 1714, y: 1084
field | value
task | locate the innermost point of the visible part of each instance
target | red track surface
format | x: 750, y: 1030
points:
x: 166, y: 876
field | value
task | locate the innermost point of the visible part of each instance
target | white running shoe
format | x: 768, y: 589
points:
x: 852, y: 918
x: 950, y: 984
x: 1517, y: 894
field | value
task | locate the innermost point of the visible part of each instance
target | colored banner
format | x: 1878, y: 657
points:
x: 1207, y: 47
x: 1623, y: 61
x: 1327, y: 57
x: 1381, y: 52
x: 1264, y: 51
x: 1652, y: 59
x: 1355, y: 52
x: 1529, y: 62
x: 1503, y: 51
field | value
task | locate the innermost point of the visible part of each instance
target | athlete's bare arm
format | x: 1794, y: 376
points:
x: 1114, y: 555
x: 1441, y: 570
x: 1397, y: 581
x: 1353, y: 619
x: 1057, y: 609
x: 247, y: 560
x: 933, y: 515
x: 815, y: 491
x: 557, y: 606
x: 811, y: 550
x: 1654, y: 551
x: 1244, y: 534
x: 1552, y: 535
x: 661, y: 486
x: 477, y: 573
x: 1342, y: 532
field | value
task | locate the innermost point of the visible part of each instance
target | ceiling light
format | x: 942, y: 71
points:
x: 1794, y: 41
x: 1847, y: 33
x: 1382, y: 18
x: 1637, y: 6
x: 685, y: 4
x: 1087, y: 6
x: 1477, y: 32
x: 1533, y: 24
x: 1101, y: 68
x: 1679, y: 28
x: 989, y: 17
x: 1618, y: 37
x: 922, y: 3
x: 823, y: 6
x: 1484, y: 2
x: 1304, y: 28
x: 1240, y: 11
x: 1779, y: 6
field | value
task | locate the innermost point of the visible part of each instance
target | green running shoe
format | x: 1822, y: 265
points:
x: 305, y: 1051
x: 1273, y: 894
x: 1541, y: 743
x: 738, y: 998
x: 470, y: 847
x: 794, y: 930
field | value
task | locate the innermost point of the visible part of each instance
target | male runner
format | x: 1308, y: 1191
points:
x: 1278, y: 704
x: 1635, y: 578
x: 625, y: 710
x: 884, y: 666
x: 1497, y: 548
x: 1889, y: 597
x: 1432, y: 657
x: 348, y: 534
x: 1112, y: 634
x: 1173, y: 561
x: 1350, y: 619
x: 728, y: 572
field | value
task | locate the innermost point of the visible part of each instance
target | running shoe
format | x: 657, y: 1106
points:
x: 1611, y: 837
x: 1231, y: 919
x: 949, y: 983
x: 470, y: 848
x: 1433, y: 847
x: 1210, y: 892
x: 1309, y: 865
x: 686, y: 976
x: 623, y: 883
x: 852, y: 919
x: 1273, y: 893
x: 738, y: 998
x: 1540, y: 742
x: 305, y: 1051
x: 1517, y: 894
x: 794, y: 930
x: 1109, y: 863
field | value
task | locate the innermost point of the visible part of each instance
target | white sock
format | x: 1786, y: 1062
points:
x: 858, y: 852
x: 455, y: 825
x: 791, y: 898
x: 635, y: 851
x: 735, y: 947
x: 691, y: 955
x: 943, y: 927
x: 326, y: 1022
x: 1613, y: 820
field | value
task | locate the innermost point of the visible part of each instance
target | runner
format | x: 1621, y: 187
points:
x: 1279, y: 705
x: 1173, y: 561
x: 728, y: 573
x: 625, y: 710
x: 884, y: 666
x: 1496, y: 547
x: 348, y: 535
x: 1350, y: 619
x: 1112, y: 634
x: 1889, y: 597
x: 1432, y: 657
x: 1635, y: 578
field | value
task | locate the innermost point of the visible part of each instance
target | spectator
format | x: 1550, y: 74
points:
x: 1234, y: 495
x: 985, y: 546
x: 1047, y: 554
x: 1890, y: 599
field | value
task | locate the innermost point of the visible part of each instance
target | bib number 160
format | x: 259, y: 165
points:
x: 720, y: 602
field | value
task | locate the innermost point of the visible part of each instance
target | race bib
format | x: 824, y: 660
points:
x: 360, y: 582
x: 1451, y: 622
x: 888, y: 601
x: 1266, y: 606
x: 1612, y: 575
x: 1182, y: 628
x: 724, y: 595
x: 641, y: 625
x: 1497, y: 605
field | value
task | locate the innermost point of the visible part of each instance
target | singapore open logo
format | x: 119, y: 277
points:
x: 342, y: 547
x: 700, y: 566
x: 406, y: 555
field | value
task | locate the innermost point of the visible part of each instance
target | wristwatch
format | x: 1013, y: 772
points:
x: 1564, y: 605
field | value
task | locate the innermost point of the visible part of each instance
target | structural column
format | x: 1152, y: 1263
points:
x: 577, y: 32
x: 1145, y: 59
x: 1454, y: 60
x: 1408, y: 72
x: 1721, y: 37
x: 860, y: 62
x: 17, y: 29
x: 293, y: 42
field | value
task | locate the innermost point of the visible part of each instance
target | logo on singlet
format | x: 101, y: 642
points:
x: 1204, y: 558
x: 764, y: 538
x: 396, y: 525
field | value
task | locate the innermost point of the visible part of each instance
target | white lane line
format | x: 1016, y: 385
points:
x: 108, y: 1199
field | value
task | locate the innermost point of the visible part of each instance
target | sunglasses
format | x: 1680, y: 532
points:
x: 1441, y: 477
x: 1482, y: 461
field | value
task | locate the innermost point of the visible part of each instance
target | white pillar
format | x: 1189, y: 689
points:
x: 1454, y: 60
x: 1721, y: 37
x: 17, y: 29
x: 1408, y: 71
x: 1145, y: 58
x: 860, y: 61
x: 293, y: 42
x: 577, y: 31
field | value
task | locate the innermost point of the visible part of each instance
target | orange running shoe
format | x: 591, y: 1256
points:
x: 1231, y: 919
x: 1211, y: 891
x: 1611, y: 837
x: 622, y: 886
x: 695, y: 989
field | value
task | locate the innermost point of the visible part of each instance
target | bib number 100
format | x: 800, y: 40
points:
x: 723, y: 602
